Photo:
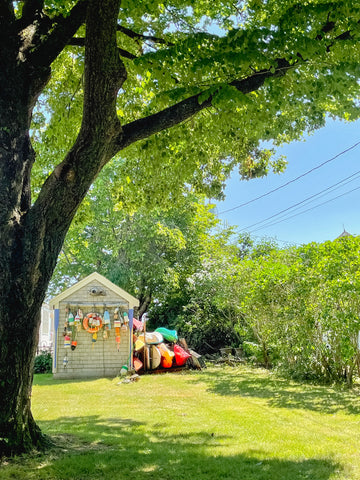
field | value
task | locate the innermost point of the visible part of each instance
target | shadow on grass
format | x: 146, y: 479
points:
x: 281, y: 392
x: 116, y: 448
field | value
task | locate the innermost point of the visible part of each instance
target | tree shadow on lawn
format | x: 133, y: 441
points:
x: 119, y: 449
x: 281, y: 392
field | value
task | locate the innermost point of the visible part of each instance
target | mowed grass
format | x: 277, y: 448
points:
x: 240, y: 423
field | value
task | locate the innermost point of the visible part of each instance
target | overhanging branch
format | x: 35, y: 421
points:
x: 171, y: 116
x: 150, y: 38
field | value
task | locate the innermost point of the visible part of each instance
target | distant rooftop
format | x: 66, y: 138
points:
x: 345, y: 234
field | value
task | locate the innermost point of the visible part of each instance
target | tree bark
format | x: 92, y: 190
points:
x: 19, y: 307
x: 31, y: 236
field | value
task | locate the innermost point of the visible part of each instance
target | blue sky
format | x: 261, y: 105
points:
x: 325, y: 222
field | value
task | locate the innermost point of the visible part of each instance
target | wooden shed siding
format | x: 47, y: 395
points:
x: 92, y: 359
x: 83, y: 296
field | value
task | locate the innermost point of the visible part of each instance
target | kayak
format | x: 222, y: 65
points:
x: 155, y: 357
x: 167, y: 355
x: 169, y: 335
x: 137, y: 364
x: 138, y: 325
x: 180, y: 355
x: 152, y: 338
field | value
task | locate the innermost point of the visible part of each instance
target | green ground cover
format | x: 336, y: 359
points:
x: 227, y: 423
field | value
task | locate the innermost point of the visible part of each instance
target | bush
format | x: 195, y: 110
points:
x: 253, y: 352
x: 43, y: 363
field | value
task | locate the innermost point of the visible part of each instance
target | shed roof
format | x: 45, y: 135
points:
x: 133, y: 302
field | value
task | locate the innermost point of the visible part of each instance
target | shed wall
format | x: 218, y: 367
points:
x: 91, y: 359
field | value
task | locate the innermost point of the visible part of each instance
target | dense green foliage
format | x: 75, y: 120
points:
x: 43, y: 363
x: 295, y: 309
x: 307, y: 53
x: 149, y: 253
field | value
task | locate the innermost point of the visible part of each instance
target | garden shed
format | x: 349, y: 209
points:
x: 93, y: 322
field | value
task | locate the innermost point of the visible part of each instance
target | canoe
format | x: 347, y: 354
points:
x: 155, y: 357
x: 139, y: 344
x: 146, y: 353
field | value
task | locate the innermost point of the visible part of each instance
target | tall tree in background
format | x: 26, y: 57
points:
x: 148, y: 253
x: 187, y: 104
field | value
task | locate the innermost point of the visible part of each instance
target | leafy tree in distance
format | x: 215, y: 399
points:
x: 148, y: 253
x: 300, y: 308
x: 101, y: 76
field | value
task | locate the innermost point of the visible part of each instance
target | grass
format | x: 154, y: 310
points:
x: 233, y: 424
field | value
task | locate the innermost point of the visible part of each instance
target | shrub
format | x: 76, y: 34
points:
x: 43, y: 363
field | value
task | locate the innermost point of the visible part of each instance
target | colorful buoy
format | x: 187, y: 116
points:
x: 71, y: 319
x: 107, y: 321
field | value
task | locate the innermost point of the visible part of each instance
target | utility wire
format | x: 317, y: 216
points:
x: 310, y: 199
x: 304, y: 211
x: 290, y: 181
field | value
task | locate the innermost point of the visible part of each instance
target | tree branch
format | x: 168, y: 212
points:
x: 131, y: 34
x: 171, y: 116
x: 49, y: 218
x: 80, y: 42
x: 65, y: 28
x: 30, y: 9
x: 7, y: 15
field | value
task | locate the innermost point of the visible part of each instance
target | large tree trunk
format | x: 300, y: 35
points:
x: 19, y: 307
x: 31, y: 235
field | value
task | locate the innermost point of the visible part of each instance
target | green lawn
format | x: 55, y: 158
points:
x: 242, y: 424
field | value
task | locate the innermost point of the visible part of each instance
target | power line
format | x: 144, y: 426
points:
x: 268, y: 237
x: 310, y: 199
x: 290, y: 181
x: 287, y: 242
x: 304, y: 211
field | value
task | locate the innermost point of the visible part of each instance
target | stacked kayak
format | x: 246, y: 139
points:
x: 167, y: 355
x: 151, y: 351
x: 169, y: 335
x: 180, y: 355
x: 151, y: 338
